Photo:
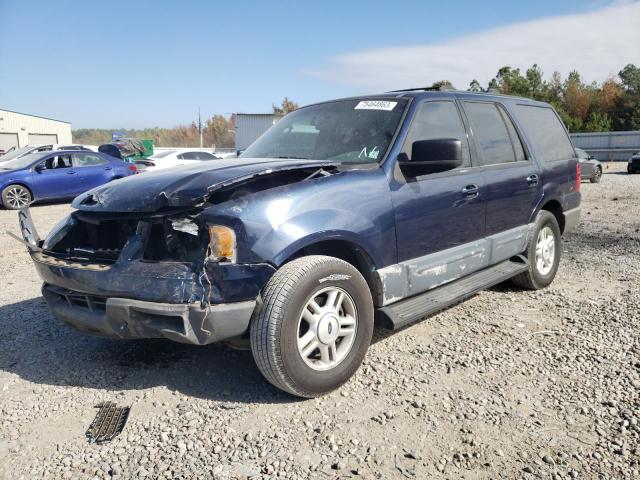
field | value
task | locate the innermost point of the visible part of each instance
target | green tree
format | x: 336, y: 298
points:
x: 475, y: 86
x: 597, y: 122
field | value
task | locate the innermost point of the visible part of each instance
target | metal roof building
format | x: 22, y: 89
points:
x: 608, y: 146
x: 249, y: 126
x: 20, y: 129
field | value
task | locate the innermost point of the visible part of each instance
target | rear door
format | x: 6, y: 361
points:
x: 57, y: 178
x: 92, y: 169
x: 554, y: 152
x: 513, y: 180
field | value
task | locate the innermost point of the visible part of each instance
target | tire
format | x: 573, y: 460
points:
x: 15, y: 197
x: 596, y: 176
x: 280, y: 325
x: 539, y: 276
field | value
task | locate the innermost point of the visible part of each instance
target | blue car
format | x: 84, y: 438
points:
x: 369, y: 210
x: 57, y: 175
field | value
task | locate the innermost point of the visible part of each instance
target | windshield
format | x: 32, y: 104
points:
x: 348, y: 131
x: 22, y: 162
x: 16, y: 153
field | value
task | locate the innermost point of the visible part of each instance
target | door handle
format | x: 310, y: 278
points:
x: 471, y: 191
x: 70, y: 172
x: 533, y: 179
x: 107, y: 168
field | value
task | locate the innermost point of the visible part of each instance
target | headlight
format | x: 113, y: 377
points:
x: 58, y: 232
x: 222, y: 243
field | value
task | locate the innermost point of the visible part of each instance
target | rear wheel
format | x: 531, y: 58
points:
x: 314, y: 327
x: 543, y: 253
x: 15, y: 197
x: 596, y: 176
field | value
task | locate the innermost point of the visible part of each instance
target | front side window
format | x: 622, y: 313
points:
x: 87, y: 160
x: 437, y: 120
x: 546, y: 133
x: 490, y: 133
x: 353, y: 131
x: 57, y: 161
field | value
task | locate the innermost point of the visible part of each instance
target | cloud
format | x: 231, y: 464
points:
x: 597, y: 44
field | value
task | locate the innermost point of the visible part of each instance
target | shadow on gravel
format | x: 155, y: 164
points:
x: 39, y: 349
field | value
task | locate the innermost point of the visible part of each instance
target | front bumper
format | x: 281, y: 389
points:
x: 125, y: 318
x: 133, y: 298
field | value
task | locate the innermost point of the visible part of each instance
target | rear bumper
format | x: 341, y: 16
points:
x: 125, y: 318
x: 571, y: 219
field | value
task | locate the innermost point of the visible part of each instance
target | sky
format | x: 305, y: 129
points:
x: 136, y: 64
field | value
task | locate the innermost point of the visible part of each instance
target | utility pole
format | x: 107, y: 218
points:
x: 200, y: 126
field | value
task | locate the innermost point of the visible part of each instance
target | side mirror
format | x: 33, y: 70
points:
x: 432, y: 156
x: 39, y: 168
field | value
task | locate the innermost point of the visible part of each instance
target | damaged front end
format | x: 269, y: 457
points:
x: 160, y: 275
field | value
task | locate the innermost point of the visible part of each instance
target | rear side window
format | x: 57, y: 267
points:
x: 548, y: 137
x: 87, y: 160
x: 434, y: 120
x: 490, y: 132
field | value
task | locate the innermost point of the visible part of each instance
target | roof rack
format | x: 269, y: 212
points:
x: 439, y: 88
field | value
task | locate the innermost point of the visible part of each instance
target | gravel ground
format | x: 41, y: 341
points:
x: 510, y: 384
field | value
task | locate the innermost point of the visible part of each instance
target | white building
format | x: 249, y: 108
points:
x: 20, y: 129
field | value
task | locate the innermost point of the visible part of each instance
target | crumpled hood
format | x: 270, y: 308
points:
x: 182, y: 186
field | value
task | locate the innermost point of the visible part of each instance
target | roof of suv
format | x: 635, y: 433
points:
x: 427, y: 92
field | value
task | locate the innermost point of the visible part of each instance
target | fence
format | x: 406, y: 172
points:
x: 608, y: 146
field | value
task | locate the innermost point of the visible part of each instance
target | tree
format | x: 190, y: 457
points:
x: 442, y: 85
x: 475, y: 86
x: 597, y: 122
x: 285, y: 107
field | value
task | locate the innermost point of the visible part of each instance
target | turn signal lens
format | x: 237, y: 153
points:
x: 578, y: 177
x: 222, y: 242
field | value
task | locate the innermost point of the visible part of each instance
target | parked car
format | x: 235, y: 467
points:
x: 20, y: 152
x: 634, y: 163
x: 387, y: 207
x: 59, y: 174
x: 590, y: 168
x: 173, y: 158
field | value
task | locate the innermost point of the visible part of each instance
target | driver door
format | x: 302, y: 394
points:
x: 55, y: 177
x: 440, y: 217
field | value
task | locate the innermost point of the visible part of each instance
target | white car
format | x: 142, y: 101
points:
x: 21, y: 152
x: 173, y: 158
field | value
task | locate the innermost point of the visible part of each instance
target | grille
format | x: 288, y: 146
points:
x: 92, y: 302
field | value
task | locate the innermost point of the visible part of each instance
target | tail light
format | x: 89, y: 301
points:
x: 576, y: 188
x: 133, y: 168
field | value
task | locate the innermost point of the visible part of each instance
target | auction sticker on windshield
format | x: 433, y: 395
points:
x: 375, y: 105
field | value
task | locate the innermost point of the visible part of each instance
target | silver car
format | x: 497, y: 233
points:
x: 590, y: 167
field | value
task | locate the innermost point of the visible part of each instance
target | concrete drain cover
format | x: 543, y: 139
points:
x: 108, y: 423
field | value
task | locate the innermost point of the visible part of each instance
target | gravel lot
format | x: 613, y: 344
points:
x: 510, y: 384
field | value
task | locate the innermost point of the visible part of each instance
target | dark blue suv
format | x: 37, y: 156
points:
x: 349, y: 213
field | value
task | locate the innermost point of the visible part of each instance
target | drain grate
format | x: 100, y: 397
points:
x: 108, y: 423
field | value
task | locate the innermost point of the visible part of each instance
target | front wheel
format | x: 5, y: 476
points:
x: 543, y: 253
x: 15, y: 197
x: 314, y: 326
x: 596, y: 176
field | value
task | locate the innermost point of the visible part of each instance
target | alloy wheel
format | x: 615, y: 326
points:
x: 18, y: 197
x: 327, y: 328
x: 545, y: 250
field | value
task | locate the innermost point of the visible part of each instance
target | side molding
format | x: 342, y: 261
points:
x: 418, y: 275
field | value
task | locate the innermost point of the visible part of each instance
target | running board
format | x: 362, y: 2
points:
x: 410, y: 310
